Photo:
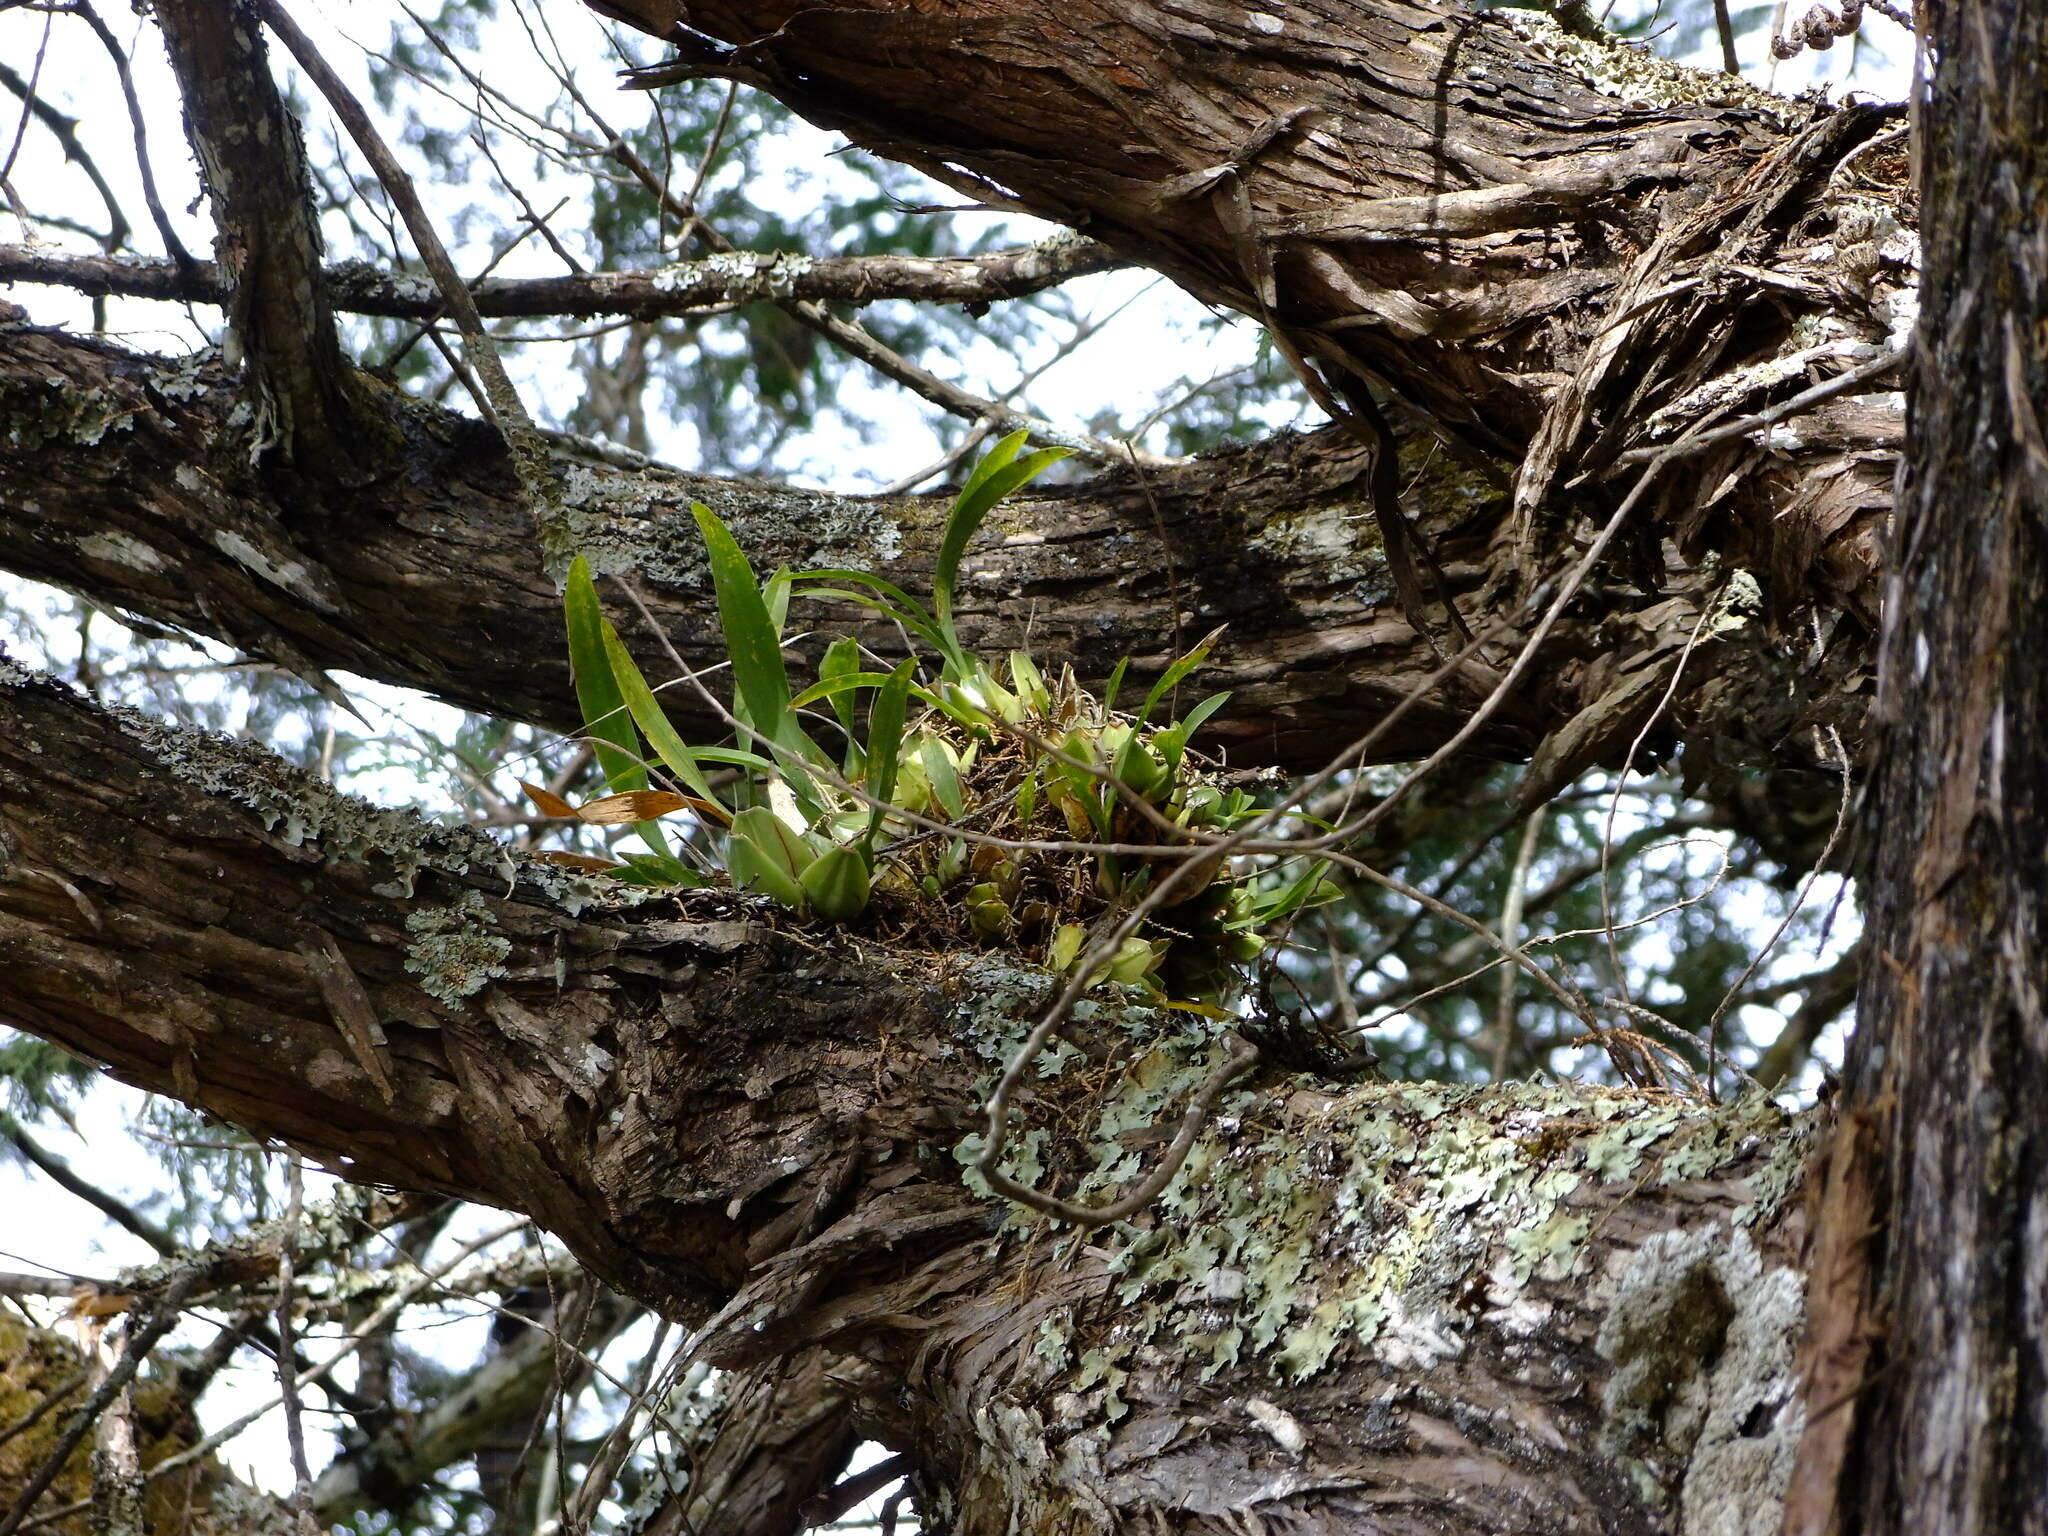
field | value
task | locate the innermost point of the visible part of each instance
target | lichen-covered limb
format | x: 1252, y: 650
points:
x: 1355, y: 1299
x: 686, y: 287
x: 127, y: 478
x: 157, y: 887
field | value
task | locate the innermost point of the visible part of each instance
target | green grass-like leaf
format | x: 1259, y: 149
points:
x: 885, y: 741
x: 998, y: 474
x: 605, y: 720
x: 883, y: 597
x: 1182, y: 666
x: 752, y: 638
x: 675, y: 753
x: 945, y: 779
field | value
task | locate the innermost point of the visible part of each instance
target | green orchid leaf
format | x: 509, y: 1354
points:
x: 1173, y: 741
x: 944, y: 776
x: 837, y: 689
x: 775, y: 598
x: 841, y: 660
x: 885, y: 742
x: 658, y: 870
x: 760, y: 681
x: 676, y: 754
x: 1170, y: 678
x: 605, y: 720
x: 1308, y: 889
x: 883, y: 597
x: 1030, y: 683
x: 836, y: 884
x: 998, y: 474
x: 1115, y: 684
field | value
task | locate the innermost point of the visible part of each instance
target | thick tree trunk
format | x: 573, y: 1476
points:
x: 1561, y: 249
x: 1937, y: 1304
x: 1367, y: 1307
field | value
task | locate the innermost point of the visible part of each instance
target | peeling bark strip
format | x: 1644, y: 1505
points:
x: 1444, y: 1308
x: 684, y: 288
x: 126, y: 478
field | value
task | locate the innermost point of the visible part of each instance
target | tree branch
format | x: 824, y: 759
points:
x: 131, y: 484
x: 706, y: 1111
x: 249, y: 148
x: 685, y: 288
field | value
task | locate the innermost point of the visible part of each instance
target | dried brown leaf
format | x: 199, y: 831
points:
x: 637, y: 805
x: 547, y: 802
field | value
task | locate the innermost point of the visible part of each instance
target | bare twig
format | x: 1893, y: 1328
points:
x: 1614, y: 800
x: 213, y: 1442
x: 287, y: 1376
x: 123, y: 1215
x: 496, y: 398
x: 1510, y: 927
x: 173, y: 246
x: 1798, y: 903
x: 62, y: 129
x: 1698, y: 441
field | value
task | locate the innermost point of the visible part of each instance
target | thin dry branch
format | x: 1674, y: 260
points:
x: 686, y: 288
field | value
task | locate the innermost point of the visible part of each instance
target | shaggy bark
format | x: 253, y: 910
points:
x: 1477, y: 1309
x: 1360, y: 1307
x: 1458, y: 206
x: 1933, y: 1306
x: 1562, y: 250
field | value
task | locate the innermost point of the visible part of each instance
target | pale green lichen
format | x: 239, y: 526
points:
x: 1341, y: 541
x: 742, y: 275
x: 1388, y: 1219
x: 58, y: 411
x: 1704, y: 1401
x: 454, y: 950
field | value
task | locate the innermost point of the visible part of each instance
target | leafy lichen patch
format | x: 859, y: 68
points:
x: 1635, y: 75
x: 58, y: 411
x: 1306, y: 1222
x: 1704, y: 1399
x: 455, y: 950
